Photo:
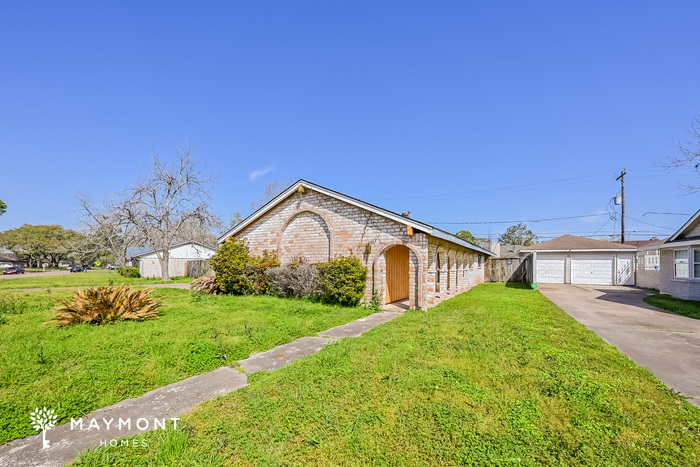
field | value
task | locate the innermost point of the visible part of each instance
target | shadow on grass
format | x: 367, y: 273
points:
x: 518, y: 285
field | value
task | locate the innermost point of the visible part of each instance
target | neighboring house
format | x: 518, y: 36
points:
x: 408, y: 261
x: 11, y: 259
x: 679, y: 261
x: 578, y: 260
x: 132, y: 252
x: 648, y: 264
x: 149, y: 266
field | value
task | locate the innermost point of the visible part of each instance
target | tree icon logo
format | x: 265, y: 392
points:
x: 43, y: 419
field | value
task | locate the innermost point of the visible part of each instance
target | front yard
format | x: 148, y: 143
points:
x: 78, y: 369
x: 495, y: 376
x: 690, y: 308
x: 91, y: 278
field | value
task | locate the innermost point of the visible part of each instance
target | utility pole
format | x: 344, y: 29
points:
x: 622, y: 190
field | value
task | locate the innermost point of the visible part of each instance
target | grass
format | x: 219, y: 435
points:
x: 690, y: 308
x: 495, y: 376
x: 78, y: 279
x: 78, y: 369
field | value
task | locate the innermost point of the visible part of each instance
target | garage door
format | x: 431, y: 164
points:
x: 550, y: 269
x: 593, y: 270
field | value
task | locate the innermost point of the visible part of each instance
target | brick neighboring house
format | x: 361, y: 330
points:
x: 410, y: 263
x: 679, y: 261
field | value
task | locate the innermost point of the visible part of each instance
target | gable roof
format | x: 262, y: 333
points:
x: 686, y: 228
x: 423, y: 227
x: 148, y: 251
x: 572, y: 242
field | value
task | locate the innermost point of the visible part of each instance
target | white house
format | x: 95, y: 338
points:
x: 579, y: 260
x: 149, y: 266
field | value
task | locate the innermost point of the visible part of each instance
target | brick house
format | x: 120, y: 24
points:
x: 679, y: 261
x: 410, y: 263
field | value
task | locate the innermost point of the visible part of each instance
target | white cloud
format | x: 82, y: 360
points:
x: 256, y: 174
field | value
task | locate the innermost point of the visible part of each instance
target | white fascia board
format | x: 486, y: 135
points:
x: 451, y: 238
x: 145, y: 253
x: 339, y: 196
x: 690, y: 221
x: 679, y: 244
x: 428, y: 229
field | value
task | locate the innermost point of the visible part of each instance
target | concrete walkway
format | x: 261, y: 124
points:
x: 665, y: 343
x: 169, y: 402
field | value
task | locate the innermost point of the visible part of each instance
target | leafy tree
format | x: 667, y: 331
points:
x: 466, y: 236
x: 3, y: 207
x: 518, y: 234
x: 40, y: 243
x: 688, y: 156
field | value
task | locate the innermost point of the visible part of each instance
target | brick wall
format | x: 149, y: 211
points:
x: 680, y: 288
x: 317, y: 227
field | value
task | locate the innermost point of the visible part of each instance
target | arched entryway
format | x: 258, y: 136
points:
x: 397, y: 274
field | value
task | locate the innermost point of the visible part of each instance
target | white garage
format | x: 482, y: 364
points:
x: 551, y: 269
x: 578, y: 260
x: 149, y: 265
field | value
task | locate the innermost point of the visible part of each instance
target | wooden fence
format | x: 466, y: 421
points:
x: 509, y: 269
x: 198, y: 268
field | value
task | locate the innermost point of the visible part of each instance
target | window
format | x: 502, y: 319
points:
x: 481, y: 261
x: 680, y: 263
x: 696, y: 263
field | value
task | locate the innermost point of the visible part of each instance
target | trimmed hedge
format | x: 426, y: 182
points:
x: 342, y: 280
x: 129, y: 272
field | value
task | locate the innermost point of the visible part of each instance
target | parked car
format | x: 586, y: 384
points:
x: 75, y: 268
x: 14, y: 270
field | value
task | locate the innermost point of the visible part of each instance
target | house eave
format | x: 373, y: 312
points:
x: 428, y: 229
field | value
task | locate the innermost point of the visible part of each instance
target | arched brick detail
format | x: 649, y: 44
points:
x: 417, y: 267
x: 305, y: 234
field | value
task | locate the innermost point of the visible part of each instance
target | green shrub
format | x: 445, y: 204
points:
x: 240, y: 273
x: 129, y: 272
x: 342, y: 280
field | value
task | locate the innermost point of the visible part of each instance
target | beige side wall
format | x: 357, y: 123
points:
x: 648, y: 279
x: 151, y: 267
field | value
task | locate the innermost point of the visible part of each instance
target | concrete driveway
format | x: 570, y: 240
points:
x: 666, y: 344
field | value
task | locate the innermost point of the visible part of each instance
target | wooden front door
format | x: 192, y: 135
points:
x: 396, y: 273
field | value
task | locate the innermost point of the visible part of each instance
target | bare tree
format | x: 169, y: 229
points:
x: 688, y: 156
x: 168, y: 204
x: 271, y: 190
x: 103, y: 231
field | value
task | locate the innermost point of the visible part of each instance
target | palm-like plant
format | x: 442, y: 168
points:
x: 99, y: 305
x: 206, y: 285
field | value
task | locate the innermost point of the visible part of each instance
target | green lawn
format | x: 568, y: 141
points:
x: 91, y: 278
x: 495, y: 376
x: 689, y: 308
x: 78, y: 369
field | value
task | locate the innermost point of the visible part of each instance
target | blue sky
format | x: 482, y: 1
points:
x: 461, y: 112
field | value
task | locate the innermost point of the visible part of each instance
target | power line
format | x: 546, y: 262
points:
x: 666, y: 213
x: 508, y: 189
x: 653, y: 225
x: 521, y: 221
